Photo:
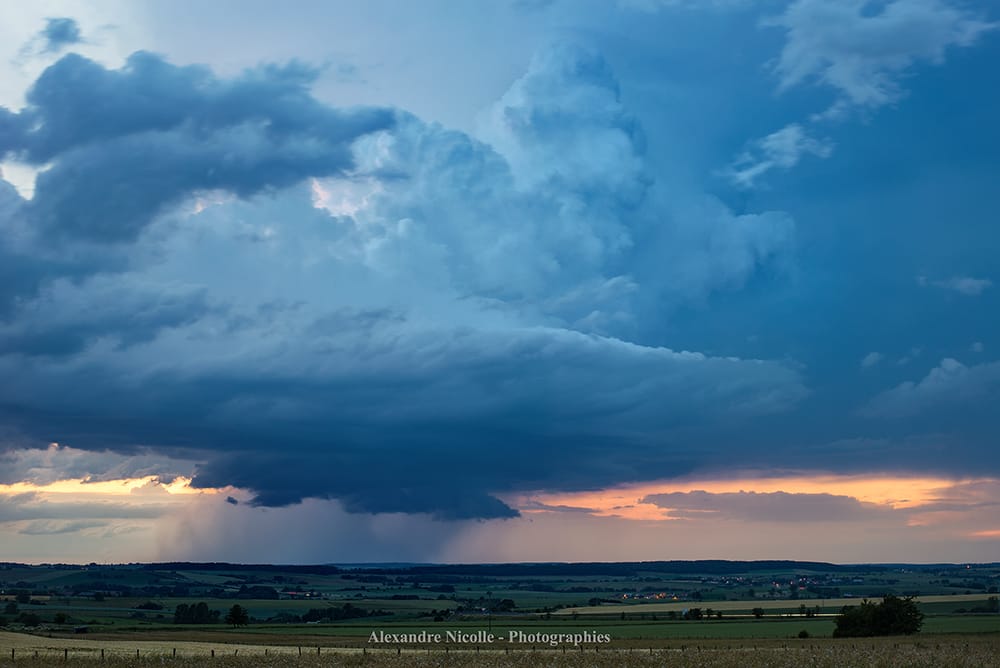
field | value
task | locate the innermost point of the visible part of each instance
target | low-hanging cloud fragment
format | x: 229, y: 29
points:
x: 764, y: 506
x: 59, y: 33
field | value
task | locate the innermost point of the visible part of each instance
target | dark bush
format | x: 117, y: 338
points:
x: 893, y: 616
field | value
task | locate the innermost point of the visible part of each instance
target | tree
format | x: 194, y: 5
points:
x: 893, y: 616
x: 758, y: 612
x: 29, y: 619
x: 195, y: 614
x: 237, y: 616
x: 693, y: 613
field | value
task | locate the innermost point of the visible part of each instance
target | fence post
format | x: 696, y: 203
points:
x: 66, y: 655
x: 102, y: 654
x: 175, y: 652
x: 300, y: 650
x: 213, y: 653
x: 137, y: 652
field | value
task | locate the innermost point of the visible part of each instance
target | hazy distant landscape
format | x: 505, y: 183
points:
x: 637, y: 604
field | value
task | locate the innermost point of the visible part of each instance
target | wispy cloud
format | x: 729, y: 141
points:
x: 964, y: 285
x: 782, y: 149
x: 862, y: 53
x: 871, y: 359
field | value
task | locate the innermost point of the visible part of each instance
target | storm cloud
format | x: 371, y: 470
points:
x: 360, y: 305
x: 225, y: 277
x: 144, y: 136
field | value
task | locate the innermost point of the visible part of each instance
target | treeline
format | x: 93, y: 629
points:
x: 336, y: 613
x: 198, y: 613
x: 630, y: 569
x: 624, y: 569
x: 331, y: 613
x: 254, y: 568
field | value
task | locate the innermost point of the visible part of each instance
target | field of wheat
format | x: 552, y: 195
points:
x: 25, y: 651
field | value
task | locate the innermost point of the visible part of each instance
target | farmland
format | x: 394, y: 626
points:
x: 928, y: 651
x: 695, y: 613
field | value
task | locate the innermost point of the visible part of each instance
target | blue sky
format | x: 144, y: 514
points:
x: 477, y: 281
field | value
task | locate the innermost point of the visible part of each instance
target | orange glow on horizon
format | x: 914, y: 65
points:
x: 123, y: 487
x: 894, y: 493
x: 987, y: 533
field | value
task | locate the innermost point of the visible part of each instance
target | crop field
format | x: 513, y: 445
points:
x: 751, y: 614
x: 930, y: 651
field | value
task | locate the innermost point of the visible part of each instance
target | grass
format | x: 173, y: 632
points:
x: 971, y: 652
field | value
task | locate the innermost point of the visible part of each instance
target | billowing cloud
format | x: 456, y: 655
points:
x: 43, y: 466
x: 949, y: 384
x: 569, y: 139
x: 424, y: 319
x: 146, y: 135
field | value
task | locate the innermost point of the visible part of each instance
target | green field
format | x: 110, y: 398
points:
x: 636, y: 604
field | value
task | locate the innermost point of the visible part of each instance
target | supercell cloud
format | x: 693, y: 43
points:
x: 233, y: 274
x: 458, y: 330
